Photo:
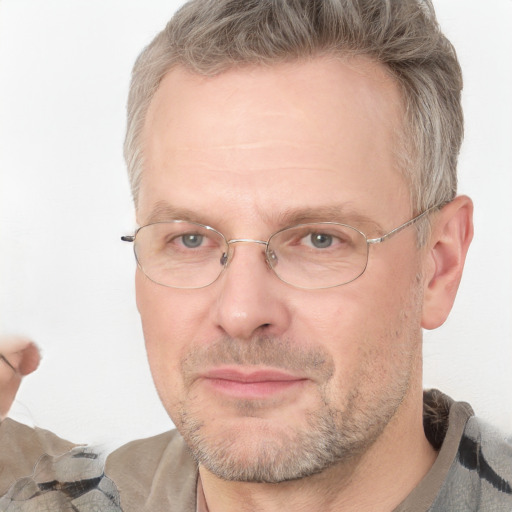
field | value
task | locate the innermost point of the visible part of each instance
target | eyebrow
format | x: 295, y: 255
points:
x: 341, y: 213
x: 163, y: 211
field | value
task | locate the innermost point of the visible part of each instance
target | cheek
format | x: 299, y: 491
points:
x: 170, y: 321
x: 368, y: 325
x: 167, y: 314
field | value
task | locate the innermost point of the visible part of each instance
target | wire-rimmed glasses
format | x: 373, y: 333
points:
x: 188, y: 255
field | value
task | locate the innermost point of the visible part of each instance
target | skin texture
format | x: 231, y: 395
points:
x: 241, y: 152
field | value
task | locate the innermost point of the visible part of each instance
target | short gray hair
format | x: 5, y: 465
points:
x: 211, y: 36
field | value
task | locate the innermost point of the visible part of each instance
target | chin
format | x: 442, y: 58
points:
x: 253, y: 449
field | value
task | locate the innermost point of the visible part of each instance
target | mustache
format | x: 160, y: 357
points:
x: 271, y: 351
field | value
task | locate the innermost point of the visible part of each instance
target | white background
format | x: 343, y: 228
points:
x: 67, y: 280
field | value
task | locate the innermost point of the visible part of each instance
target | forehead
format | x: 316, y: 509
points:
x: 256, y: 139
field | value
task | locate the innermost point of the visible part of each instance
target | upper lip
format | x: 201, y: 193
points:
x: 247, y: 375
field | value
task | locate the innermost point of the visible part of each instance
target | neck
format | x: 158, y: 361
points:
x: 376, y: 481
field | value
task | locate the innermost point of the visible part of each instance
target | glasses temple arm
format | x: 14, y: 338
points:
x: 403, y: 226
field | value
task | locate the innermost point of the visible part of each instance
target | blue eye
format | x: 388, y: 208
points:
x: 192, y: 241
x: 321, y: 240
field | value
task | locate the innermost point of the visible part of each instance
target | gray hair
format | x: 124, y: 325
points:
x: 211, y: 36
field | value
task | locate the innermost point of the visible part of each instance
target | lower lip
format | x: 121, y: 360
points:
x: 253, y: 390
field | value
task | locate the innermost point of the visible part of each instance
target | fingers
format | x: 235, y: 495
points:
x: 9, y: 383
x: 6, y: 361
x: 19, y: 356
x: 20, y: 353
x: 30, y: 359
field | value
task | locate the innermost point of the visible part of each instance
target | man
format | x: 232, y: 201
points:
x: 293, y: 171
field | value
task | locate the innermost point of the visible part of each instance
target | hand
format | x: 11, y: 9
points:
x: 18, y: 357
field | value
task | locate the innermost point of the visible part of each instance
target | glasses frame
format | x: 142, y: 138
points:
x: 268, y: 253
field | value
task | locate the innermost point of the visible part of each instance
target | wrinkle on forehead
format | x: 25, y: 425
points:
x: 364, y: 87
x: 246, y: 146
x: 251, y: 140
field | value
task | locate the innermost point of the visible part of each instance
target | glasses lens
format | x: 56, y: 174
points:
x: 320, y: 255
x: 180, y: 254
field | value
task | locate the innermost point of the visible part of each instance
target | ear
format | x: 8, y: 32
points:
x: 451, y: 234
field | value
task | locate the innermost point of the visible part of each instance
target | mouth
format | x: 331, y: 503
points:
x: 247, y: 384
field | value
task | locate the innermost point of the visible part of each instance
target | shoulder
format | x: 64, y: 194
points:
x: 488, y: 452
x: 14, y: 433
x: 157, y: 473
x: 473, y: 469
x: 40, y: 471
x: 21, y: 447
x: 480, y: 478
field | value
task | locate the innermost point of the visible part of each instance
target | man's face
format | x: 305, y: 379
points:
x: 265, y: 381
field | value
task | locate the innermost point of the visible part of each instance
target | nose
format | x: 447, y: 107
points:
x: 251, y: 299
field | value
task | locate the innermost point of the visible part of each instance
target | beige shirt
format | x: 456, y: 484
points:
x: 159, y: 475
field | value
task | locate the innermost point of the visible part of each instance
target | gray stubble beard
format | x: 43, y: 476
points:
x: 331, y: 436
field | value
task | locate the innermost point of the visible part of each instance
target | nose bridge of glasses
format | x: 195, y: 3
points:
x: 247, y: 240
x: 230, y: 243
